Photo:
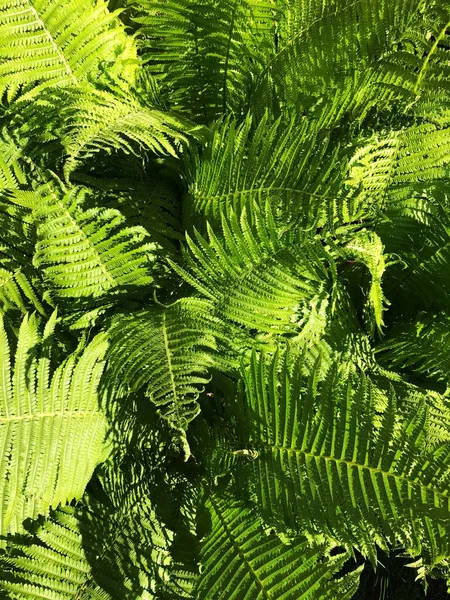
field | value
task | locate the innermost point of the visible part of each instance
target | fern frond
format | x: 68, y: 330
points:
x: 388, y: 167
x: 167, y: 351
x: 95, y: 120
x: 52, y: 431
x: 84, y: 251
x: 11, y: 168
x: 205, y: 53
x: 257, y: 276
x: 268, y: 161
x: 18, y: 290
x: 366, y: 247
x: 44, y: 45
x: 331, y: 461
x: 422, y: 346
x: 328, y: 53
x: 96, y: 553
x: 241, y: 560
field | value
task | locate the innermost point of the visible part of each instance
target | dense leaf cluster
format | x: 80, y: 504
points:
x: 224, y: 297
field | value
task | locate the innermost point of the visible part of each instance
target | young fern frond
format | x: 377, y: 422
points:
x: 330, y: 461
x: 52, y: 431
x: 242, y: 560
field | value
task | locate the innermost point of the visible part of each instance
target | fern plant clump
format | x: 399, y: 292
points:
x: 224, y: 299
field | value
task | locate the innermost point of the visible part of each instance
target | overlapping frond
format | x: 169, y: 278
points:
x: 256, y: 276
x: 334, y: 51
x: 20, y: 287
x: 84, y: 251
x: 51, y: 428
x: 167, y: 351
x: 242, y: 560
x: 386, y: 169
x: 99, y: 120
x: 422, y: 345
x: 332, y: 459
x: 96, y: 552
x: 206, y: 54
x: 43, y: 44
x: 256, y: 162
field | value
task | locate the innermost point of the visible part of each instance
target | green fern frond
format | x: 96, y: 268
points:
x: 422, y: 346
x: 167, y: 351
x: 401, y: 159
x: 54, y: 566
x: 259, y: 276
x: 11, y: 168
x: 95, y: 120
x: 18, y: 290
x: 87, y: 252
x: 241, y: 560
x: 95, y: 553
x: 327, y: 51
x: 205, y: 53
x: 366, y: 247
x: 268, y: 161
x: 44, y: 45
x: 330, y: 461
x: 52, y: 431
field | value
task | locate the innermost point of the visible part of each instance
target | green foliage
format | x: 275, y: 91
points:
x: 224, y: 289
x: 52, y: 431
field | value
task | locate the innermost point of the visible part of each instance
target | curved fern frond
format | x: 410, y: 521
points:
x: 87, y: 252
x: 385, y: 169
x: 241, y: 560
x: 44, y: 45
x: 259, y: 276
x: 331, y: 460
x: 167, y: 351
x: 96, y: 120
x: 330, y: 56
x: 51, y: 429
x: 96, y: 552
x: 366, y: 247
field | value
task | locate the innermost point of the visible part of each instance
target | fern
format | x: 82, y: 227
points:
x: 166, y: 351
x: 48, y: 47
x: 52, y: 431
x: 256, y: 564
x: 256, y: 278
x: 224, y: 234
x: 77, y: 246
x: 336, y: 472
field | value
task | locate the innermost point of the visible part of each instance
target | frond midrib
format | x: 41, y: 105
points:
x: 238, y: 549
